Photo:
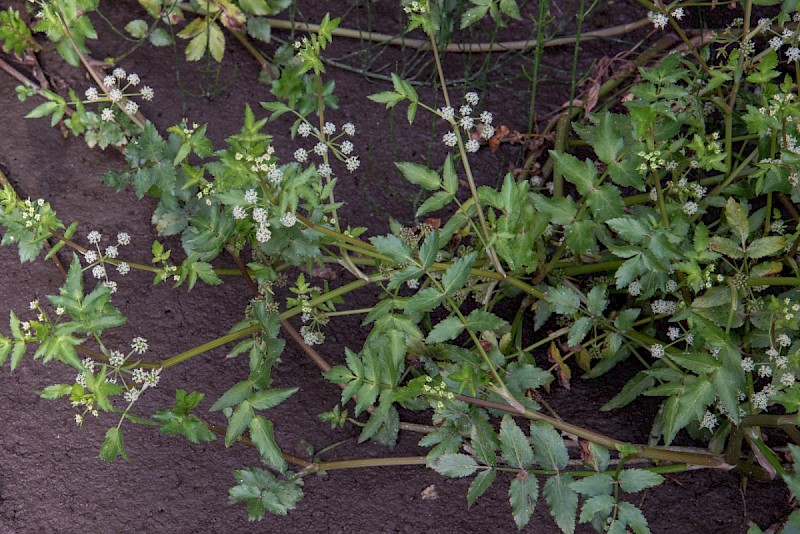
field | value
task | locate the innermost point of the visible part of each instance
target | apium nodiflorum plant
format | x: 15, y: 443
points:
x: 669, y: 244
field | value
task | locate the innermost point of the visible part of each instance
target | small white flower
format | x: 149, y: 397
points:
x: 776, y: 43
x: 119, y: 73
x: 657, y: 350
x: 117, y: 359
x: 147, y: 93
x: 450, y: 139
x: 346, y: 148
x: 111, y: 251
x: 107, y: 114
x: 139, y: 345
x: 304, y: 129
x: 486, y: 118
x: 678, y: 13
x: 263, y: 234
x: 301, y: 155
x: 123, y: 239
x: 288, y: 219
x: 329, y: 128
x: 472, y: 98
x: 131, y: 395
x: 250, y: 196
x: 325, y: 170
x: 784, y: 340
x: 690, y: 208
x: 94, y: 237
x: 133, y: 79
x: 92, y: 94
x: 60, y: 311
x: 709, y: 421
x: 320, y: 149
x: 673, y: 333
x: 765, y: 371
x: 472, y: 145
x: 111, y: 285
x: 487, y: 132
x: 635, y: 288
x: 671, y: 286
x: 349, y: 128
x: 239, y: 213
x: 465, y: 110
x: 659, y: 20
x: 787, y: 379
x: 447, y: 113
x: 131, y: 107
x: 123, y: 268
x: 748, y: 364
x: 412, y: 284
x: 98, y: 271
x: 352, y: 163
x: 792, y: 54
x: 109, y: 82
x: 260, y: 215
x: 466, y: 122
x: 90, y: 256
x: 115, y: 95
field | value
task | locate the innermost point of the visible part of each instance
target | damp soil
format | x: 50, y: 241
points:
x: 51, y: 479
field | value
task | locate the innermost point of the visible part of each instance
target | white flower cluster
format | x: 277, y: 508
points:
x: 467, y: 121
x: 260, y: 215
x: 97, y: 258
x: 328, y: 139
x: 118, y: 88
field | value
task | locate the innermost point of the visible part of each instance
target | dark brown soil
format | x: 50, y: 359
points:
x: 50, y: 477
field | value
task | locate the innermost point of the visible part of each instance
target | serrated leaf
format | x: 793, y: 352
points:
x: 736, y: 216
x: 263, y: 400
x: 549, y: 450
x: 236, y: 394
x: 725, y: 246
x: 562, y: 500
x: 581, y: 174
x: 605, y: 202
x: 238, y: 422
x: 263, y: 435
x: 434, y: 202
x: 600, y: 506
x: 479, y: 485
x: 578, y: 331
x: 113, y: 446
x: 629, y: 229
x: 456, y: 275
x: 390, y: 98
x: 450, y: 182
x: 455, y: 465
x: 514, y: 446
x: 137, y: 28
x: 479, y: 320
x: 484, y: 441
x: 473, y: 15
x: 392, y: 246
x: 765, y: 246
x: 424, y: 301
x: 591, y: 486
x: 523, y: 494
x: 445, y: 330
x: 558, y: 210
x: 429, y: 249
x: 563, y: 300
x: 635, y: 480
x: 698, y: 363
x: 56, y: 391
x: 632, y: 517
x: 420, y: 175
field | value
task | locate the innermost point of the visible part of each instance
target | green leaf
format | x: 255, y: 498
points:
x: 635, y: 480
x: 479, y: 320
x: 510, y: 9
x: 434, y: 202
x: 455, y: 465
x: 632, y: 517
x: 56, y: 391
x: 429, y: 249
x: 259, y: 28
x: 514, y: 446
x: 562, y: 500
x: 549, y: 450
x: 600, y: 484
x: 558, y: 210
x: 424, y: 301
x: 607, y: 143
x: 479, y: 485
x: 596, y: 300
x: 236, y: 394
x: 261, y: 492
x: 582, y: 174
x: 605, y: 202
x: 765, y: 246
x: 390, y: 98
x: 736, y: 216
x: 392, y: 246
x: 160, y: 37
x: 473, y: 15
x: 263, y: 436
x: 725, y: 246
x: 420, y: 175
x: 113, y: 446
x: 564, y: 300
x: 523, y: 494
x: 698, y: 363
x: 629, y: 229
x: 578, y: 331
x: 136, y: 28
x: 450, y: 183
x: 238, y: 422
x: 600, y: 506
x: 690, y: 405
x: 264, y: 400
x: 456, y: 275
x: 445, y: 330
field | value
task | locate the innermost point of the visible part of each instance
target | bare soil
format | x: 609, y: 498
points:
x: 50, y: 477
